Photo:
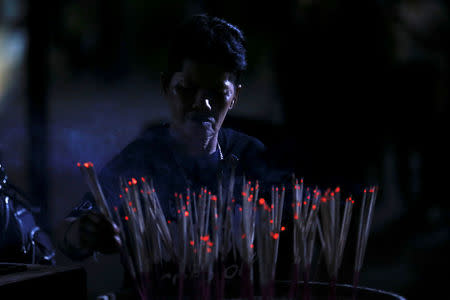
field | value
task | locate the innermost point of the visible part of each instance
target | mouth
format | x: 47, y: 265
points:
x: 201, y: 119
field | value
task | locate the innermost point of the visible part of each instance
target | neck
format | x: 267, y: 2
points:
x: 192, y: 146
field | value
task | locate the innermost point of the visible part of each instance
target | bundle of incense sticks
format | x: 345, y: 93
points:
x: 305, y: 213
x: 333, y: 233
x: 223, y: 223
x: 365, y: 220
x: 208, y: 226
x: 90, y: 176
x: 145, y: 235
x: 245, y: 234
x: 268, y: 230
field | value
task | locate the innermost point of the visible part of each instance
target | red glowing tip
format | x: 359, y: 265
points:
x: 251, y: 246
x: 78, y: 165
x: 86, y: 165
x: 187, y: 202
x: 208, y: 250
x: 304, y: 202
x: 143, y: 179
x: 168, y: 221
x: 314, y: 207
x: 296, y: 217
x: 134, y: 209
x: 332, y: 194
x: 244, y: 194
x: 210, y: 244
x: 232, y: 200
x: 337, y: 190
x: 275, y: 236
x: 271, y: 221
x: 353, y: 201
x: 214, y: 198
x: 192, y: 243
x: 283, y: 228
x: 251, y: 189
x: 129, y: 182
x: 240, y: 208
x: 120, y: 196
x: 261, y: 201
x: 126, y: 190
x: 130, y: 203
x: 204, y: 238
x: 186, y: 214
x: 179, y: 211
x: 323, y: 199
x: 133, y: 180
x: 126, y: 218
x: 243, y: 236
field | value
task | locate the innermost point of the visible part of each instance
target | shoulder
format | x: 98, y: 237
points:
x: 149, y: 146
x: 239, y: 143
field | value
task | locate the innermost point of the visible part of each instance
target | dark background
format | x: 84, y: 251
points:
x: 347, y: 93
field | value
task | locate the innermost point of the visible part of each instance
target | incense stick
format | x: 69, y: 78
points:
x: 365, y: 220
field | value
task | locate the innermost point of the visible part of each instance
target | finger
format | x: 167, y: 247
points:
x: 115, y: 228
x: 118, y: 241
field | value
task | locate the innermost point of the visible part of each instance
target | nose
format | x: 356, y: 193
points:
x: 202, y: 101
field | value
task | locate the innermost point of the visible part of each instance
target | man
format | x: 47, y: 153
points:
x: 206, y: 59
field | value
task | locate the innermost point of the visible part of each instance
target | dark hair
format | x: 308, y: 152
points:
x: 208, y: 39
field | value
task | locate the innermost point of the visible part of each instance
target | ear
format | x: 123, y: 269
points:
x: 236, y: 96
x: 164, y: 80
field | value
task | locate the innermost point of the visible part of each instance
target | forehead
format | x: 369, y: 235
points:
x: 203, y: 74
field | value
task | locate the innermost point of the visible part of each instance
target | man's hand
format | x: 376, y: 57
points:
x: 98, y: 234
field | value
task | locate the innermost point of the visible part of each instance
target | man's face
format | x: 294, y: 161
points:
x: 199, y: 99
